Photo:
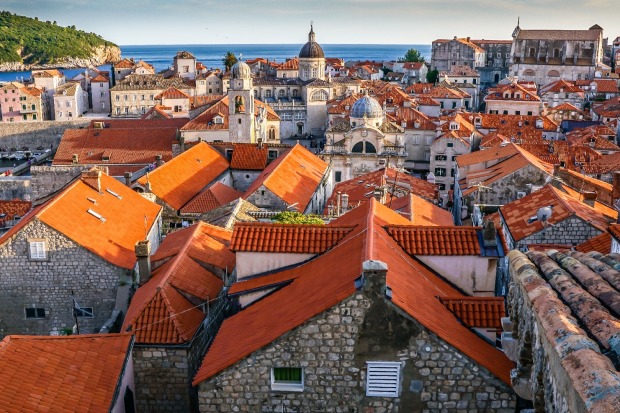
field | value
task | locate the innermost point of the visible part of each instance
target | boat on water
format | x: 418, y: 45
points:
x: 17, y: 156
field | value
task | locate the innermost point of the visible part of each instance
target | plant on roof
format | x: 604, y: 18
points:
x: 289, y: 217
x: 412, y: 55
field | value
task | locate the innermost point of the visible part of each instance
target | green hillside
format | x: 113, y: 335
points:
x: 31, y: 41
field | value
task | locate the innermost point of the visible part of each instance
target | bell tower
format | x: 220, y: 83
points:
x: 241, y: 123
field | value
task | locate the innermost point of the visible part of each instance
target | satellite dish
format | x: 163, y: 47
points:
x: 544, y: 214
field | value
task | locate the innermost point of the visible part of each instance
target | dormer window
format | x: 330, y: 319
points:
x: 218, y: 120
x: 454, y: 126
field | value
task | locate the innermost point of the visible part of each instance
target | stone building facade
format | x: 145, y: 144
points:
x: 333, y: 350
x: 35, y: 295
x: 545, y: 56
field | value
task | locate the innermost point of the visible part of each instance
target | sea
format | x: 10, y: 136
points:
x: 161, y: 56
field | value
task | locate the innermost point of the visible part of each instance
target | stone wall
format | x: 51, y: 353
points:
x: 44, y: 134
x: 571, y: 231
x: 48, y: 283
x: 505, y: 190
x: 333, y: 348
x: 45, y: 180
x: 161, y: 375
x: 15, y: 187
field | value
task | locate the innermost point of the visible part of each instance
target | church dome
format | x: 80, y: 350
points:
x: 368, y: 107
x: 241, y: 70
x: 311, y: 50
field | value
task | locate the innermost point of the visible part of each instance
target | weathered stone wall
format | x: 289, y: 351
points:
x: 571, y: 231
x: 333, y: 349
x: 48, y: 283
x: 45, y: 180
x: 505, y: 190
x: 44, y: 134
x: 161, y: 375
x: 15, y: 187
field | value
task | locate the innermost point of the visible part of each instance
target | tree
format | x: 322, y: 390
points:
x: 412, y: 55
x: 289, y: 217
x: 229, y: 60
x: 432, y: 76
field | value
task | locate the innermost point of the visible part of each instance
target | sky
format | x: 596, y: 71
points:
x: 141, y: 22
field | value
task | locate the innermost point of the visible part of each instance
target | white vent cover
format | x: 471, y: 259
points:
x: 383, y: 378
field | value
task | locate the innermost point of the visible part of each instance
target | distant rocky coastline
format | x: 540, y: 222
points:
x: 101, y: 55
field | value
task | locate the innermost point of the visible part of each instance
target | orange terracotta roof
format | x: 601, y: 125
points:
x: 358, y: 187
x: 129, y: 146
x: 422, y: 212
x: 293, y: 177
x: 124, y: 64
x: 286, y: 238
x: 419, y: 88
x: 205, y: 121
x: 509, y: 92
x: 249, y: 156
x: 477, y: 312
x: 100, y: 79
x: 412, y: 118
x: 125, y: 218
x: 609, y: 212
x: 561, y: 86
x: 160, y: 311
x: 62, y: 373
x: 449, y: 240
x: 291, y: 64
x: 325, y: 281
x: 215, y: 196
x: 178, y: 181
x: 32, y: 91
x: 601, y: 243
x: 13, y: 208
x: 606, y: 86
x: 172, y: 93
x: 517, y: 213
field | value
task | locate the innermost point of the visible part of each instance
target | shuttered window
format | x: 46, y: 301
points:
x: 37, y: 250
x: 287, y: 379
x: 383, y: 378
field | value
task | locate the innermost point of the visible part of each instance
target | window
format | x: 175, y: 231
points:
x: 440, y: 171
x: 440, y: 157
x: 86, y: 312
x: 441, y: 187
x: 281, y: 93
x: 267, y: 93
x: 450, y: 144
x: 338, y: 176
x: 35, y: 312
x: 272, y: 154
x: 287, y: 379
x: 118, y: 98
x: 383, y: 379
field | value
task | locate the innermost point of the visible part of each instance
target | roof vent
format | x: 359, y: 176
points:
x: 113, y: 193
x: 96, y: 215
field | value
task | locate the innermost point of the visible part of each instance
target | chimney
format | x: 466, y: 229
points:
x: 260, y: 143
x: 589, y: 197
x: 489, y: 238
x: 615, y: 192
x: 92, y: 178
x: 345, y: 201
x: 380, y: 194
x: 127, y: 178
x: 158, y: 160
x: 143, y: 255
x: 338, y: 200
x: 182, y: 144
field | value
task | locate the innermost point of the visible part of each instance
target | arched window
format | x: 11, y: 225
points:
x: 268, y: 93
x: 529, y: 72
x: 295, y: 93
x: 553, y: 73
x: 364, y: 147
x: 281, y: 93
x: 272, y: 134
x: 319, y: 95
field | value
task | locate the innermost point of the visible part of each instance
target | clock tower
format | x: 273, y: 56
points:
x: 241, y: 123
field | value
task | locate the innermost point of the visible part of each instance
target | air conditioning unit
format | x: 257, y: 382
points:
x: 520, y: 194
